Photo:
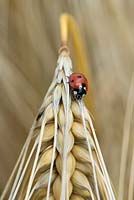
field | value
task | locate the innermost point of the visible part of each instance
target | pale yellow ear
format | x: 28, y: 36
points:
x: 70, y: 31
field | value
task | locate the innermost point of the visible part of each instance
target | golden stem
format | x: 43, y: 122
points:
x: 64, y: 18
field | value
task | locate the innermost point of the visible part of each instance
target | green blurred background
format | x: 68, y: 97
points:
x: 29, y: 42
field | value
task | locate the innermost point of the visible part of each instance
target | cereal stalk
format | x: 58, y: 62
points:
x: 125, y: 140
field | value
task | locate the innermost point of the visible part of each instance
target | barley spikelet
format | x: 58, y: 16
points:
x: 61, y: 158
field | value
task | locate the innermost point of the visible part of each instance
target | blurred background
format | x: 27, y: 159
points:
x: 29, y: 43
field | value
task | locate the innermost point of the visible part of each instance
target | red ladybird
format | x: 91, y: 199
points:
x: 78, y: 85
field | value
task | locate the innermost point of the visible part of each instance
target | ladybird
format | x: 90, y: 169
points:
x: 78, y: 85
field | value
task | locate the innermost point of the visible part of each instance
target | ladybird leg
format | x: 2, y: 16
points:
x: 78, y: 97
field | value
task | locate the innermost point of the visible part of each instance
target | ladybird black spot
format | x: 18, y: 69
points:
x: 83, y: 84
x: 72, y: 81
x: 79, y: 76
